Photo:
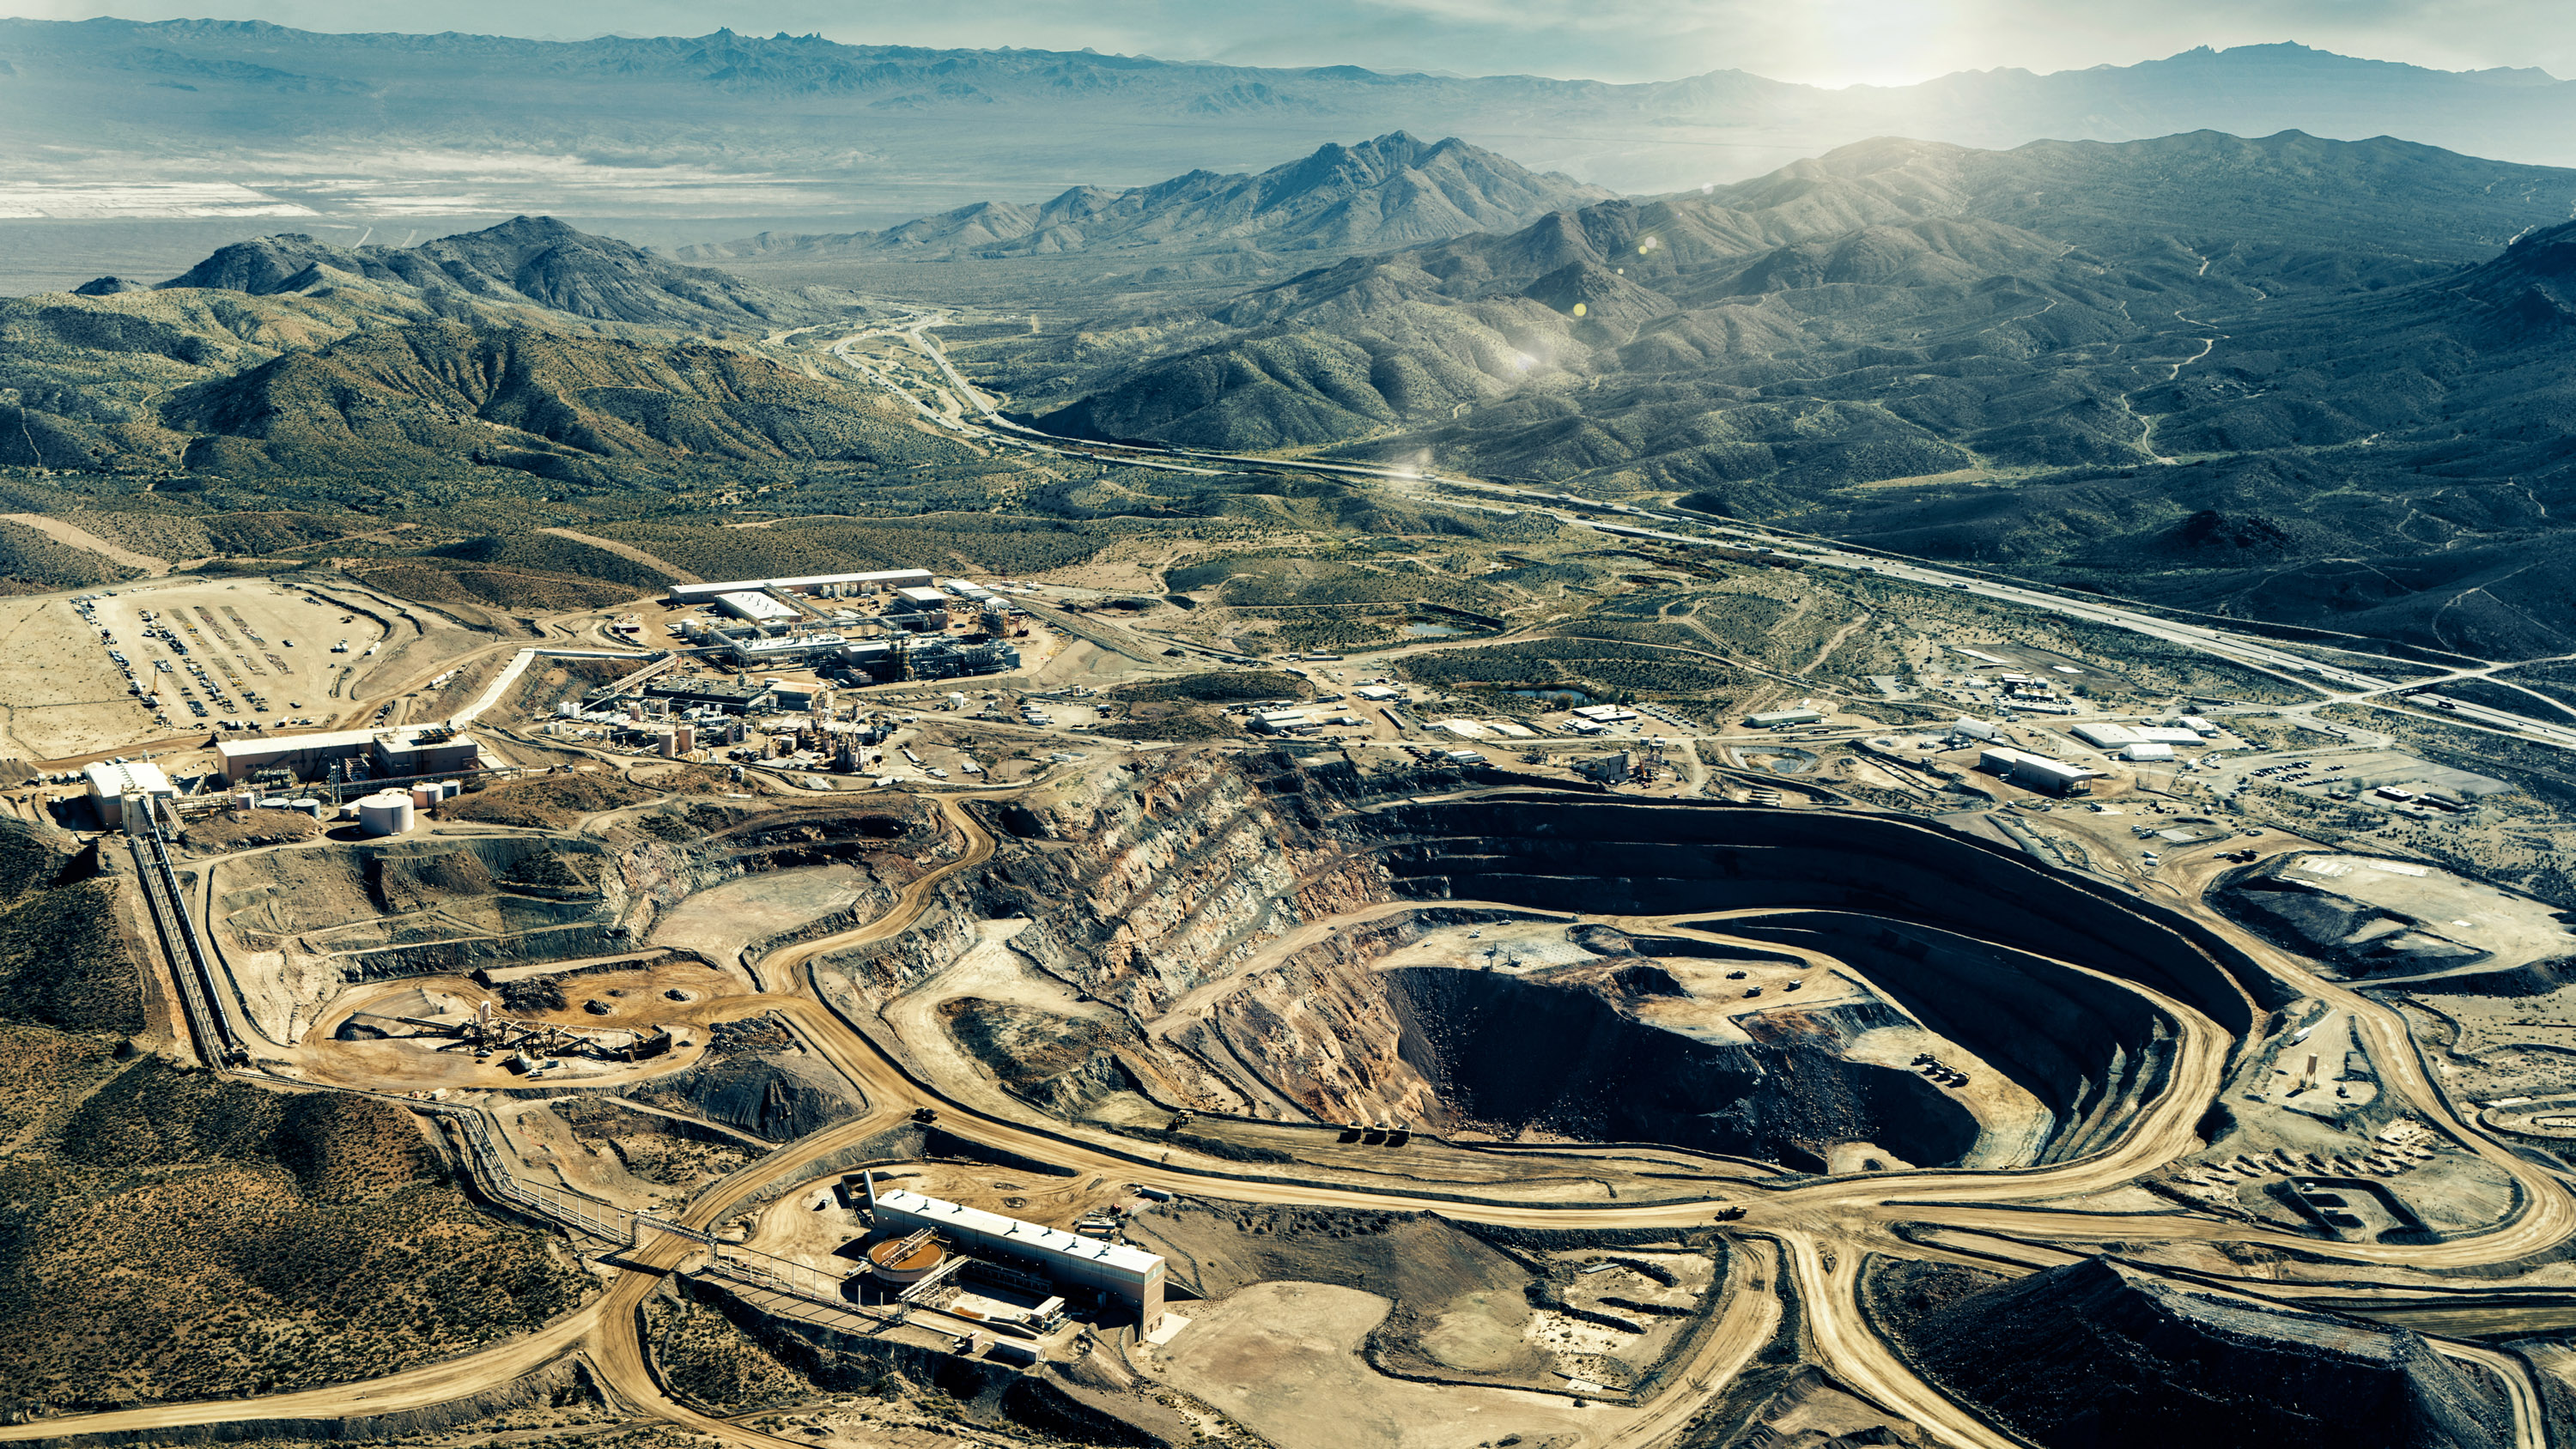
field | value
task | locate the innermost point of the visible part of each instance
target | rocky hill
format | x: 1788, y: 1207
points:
x: 537, y: 261
x: 1396, y: 190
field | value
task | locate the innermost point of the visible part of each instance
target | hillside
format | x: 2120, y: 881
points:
x: 538, y: 261
x: 1396, y: 190
x: 524, y: 349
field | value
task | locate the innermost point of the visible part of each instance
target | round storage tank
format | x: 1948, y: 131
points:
x: 423, y: 797
x: 906, y: 1260
x: 450, y: 789
x: 385, y: 814
x: 306, y: 807
x: 274, y: 802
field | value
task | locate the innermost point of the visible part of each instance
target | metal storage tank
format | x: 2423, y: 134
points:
x: 423, y: 797
x: 306, y: 807
x: 685, y: 739
x: 450, y: 789
x: 670, y: 744
x: 387, y: 813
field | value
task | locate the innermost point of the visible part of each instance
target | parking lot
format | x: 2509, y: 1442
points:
x: 113, y: 668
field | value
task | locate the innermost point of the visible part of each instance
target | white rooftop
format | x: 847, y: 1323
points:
x: 1026, y: 1237
x: 135, y: 777
x: 884, y: 576
x: 752, y: 605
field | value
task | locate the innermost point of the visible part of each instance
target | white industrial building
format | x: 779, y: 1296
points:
x: 2114, y: 736
x: 111, y: 782
x: 2147, y: 750
x: 1068, y: 1260
x: 2035, y: 772
x: 393, y: 753
x: 868, y: 583
x: 755, y: 606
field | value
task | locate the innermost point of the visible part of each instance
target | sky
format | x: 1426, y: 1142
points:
x: 1820, y: 42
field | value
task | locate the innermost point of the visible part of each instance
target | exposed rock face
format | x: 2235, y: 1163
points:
x: 2105, y: 1356
x: 1185, y: 869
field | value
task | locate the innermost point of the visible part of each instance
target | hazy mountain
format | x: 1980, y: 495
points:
x: 1393, y: 191
x: 743, y: 126
x: 2059, y: 357
x: 537, y: 261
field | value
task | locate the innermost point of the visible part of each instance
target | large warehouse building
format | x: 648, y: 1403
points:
x: 826, y: 585
x: 393, y: 754
x: 2036, y: 772
x: 1068, y: 1260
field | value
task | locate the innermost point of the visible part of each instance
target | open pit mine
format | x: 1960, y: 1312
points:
x: 1264, y: 1096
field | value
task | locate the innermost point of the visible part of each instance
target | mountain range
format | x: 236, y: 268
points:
x: 2203, y: 367
x: 1393, y: 191
x: 242, y: 118
x: 2309, y: 380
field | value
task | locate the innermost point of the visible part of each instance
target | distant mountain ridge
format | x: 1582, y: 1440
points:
x: 536, y: 260
x: 740, y: 125
x: 1395, y: 190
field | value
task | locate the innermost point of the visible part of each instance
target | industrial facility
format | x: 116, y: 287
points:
x: 1070, y: 1262
x: 393, y: 754
x: 112, y: 782
x: 2036, y: 772
x: 828, y: 586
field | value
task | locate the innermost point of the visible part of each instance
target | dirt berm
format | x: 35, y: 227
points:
x: 565, y: 1380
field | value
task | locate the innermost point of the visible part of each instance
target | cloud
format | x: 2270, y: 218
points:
x: 1823, y: 42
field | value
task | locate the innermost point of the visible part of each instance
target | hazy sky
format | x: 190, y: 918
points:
x: 1825, y: 42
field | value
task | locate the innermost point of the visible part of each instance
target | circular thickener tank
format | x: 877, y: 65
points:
x: 902, y: 1260
x: 388, y: 813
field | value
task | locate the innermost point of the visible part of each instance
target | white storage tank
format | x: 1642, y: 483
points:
x: 450, y: 789
x: 306, y: 807
x: 385, y: 813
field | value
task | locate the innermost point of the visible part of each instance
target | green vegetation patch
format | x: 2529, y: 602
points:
x: 1241, y: 686
x: 1602, y: 668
